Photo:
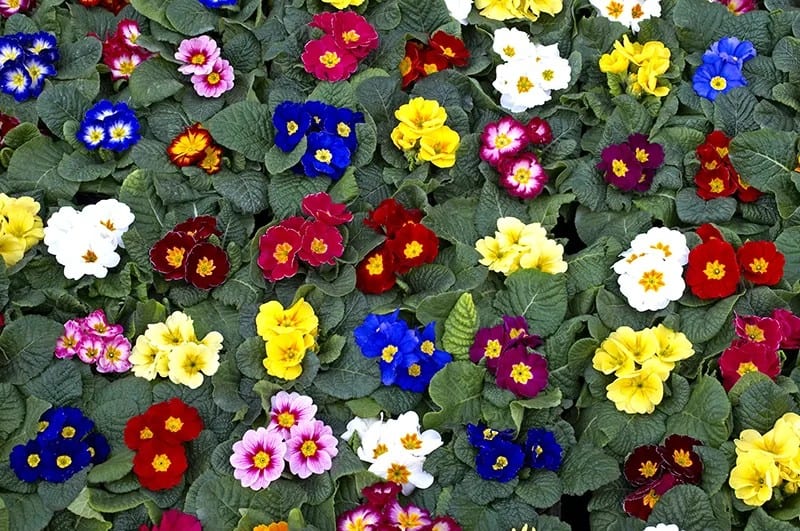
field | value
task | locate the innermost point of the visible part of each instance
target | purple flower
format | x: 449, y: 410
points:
x: 408, y: 518
x: 311, y: 448
x: 621, y: 167
x: 489, y: 343
x: 97, y: 323
x: 258, y: 458
x: 522, y: 373
x: 115, y: 355
x: 649, y: 155
x: 67, y: 344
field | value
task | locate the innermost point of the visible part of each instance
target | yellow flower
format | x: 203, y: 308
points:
x: 780, y: 443
x: 20, y: 223
x: 640, y: 65
x: 272, y: 320
x: 613, y: 356
x: 148, y: 360
x: 12, y: 249
x: 421, y: 116
x: 342, y: 4
x: 285, y: 354
x: 639, y: 392
x: 672, y: 346
x: 497, y: 257
x: 547, y: 257
x: 189, y: 361
x: 439, y: 147
x: 613, y: 63
x: 531, y: 9
x: 404, y: 137
x: 274, y: 526
x: 753, y: 478
x: 527, y: 235
x: 177, y: 329
x: 498, y: 9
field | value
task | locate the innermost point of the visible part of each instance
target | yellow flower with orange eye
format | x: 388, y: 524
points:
x: 422, y: 125
x: 194, y: 146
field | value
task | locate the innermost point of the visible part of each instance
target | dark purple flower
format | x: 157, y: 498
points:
x: 649, y: 155
x: 489, y: 344
x: 621, y: 167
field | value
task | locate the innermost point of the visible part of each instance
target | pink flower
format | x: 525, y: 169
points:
x: 322, y: 244
x: 524, y: 374
x: 67, y: 344
x: 327, y: 61
x: 288, y: 410
x: 321, y: 207
x: 278, y: 248
x: 115, y: 355
x: 363, y: 517
x: 174, y: 520
x: 129, y: 30
x: 523, y: 176
x: 216, y: 82
x: 352, y: 32
x: 738, y: 360
x: 198, y: 55
x: 310, y: 448
x: 502, y: 139
x: 410, y: 518
x: 790, y: 328
x: 97, y: 323
x: 123, y: 64
x: 761, y: 330
x: 738, y: 7
x: 90, y: 348
x: 258, y: 458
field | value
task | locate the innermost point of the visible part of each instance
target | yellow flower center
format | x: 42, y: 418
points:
x: 286, y: 420
x: 718, y: 83
x: 309, y: 449
x: 89, y: 257
x: 379, y: 450
x: 375, y: 265
x: 292, y: 127
x: 412, y: 249
x: 34, y: 460
x: 641, y: 155
x: 427, y: 347
x: 502, y: 140
x: 759, y: 265
x: 663, y: 247
x: 716, y: 185
x: 109, y: 224
x: 652, y: 280
x: 755, y: 333
x: 614, y: 9
x: 619, y: 168
x: 173, y: 424
x: 388, y: 352
x: 650, y: 499
x: 522, y: 176
x: 722, y: 151
x: 430, y: 68
x: 548, y: 75
x: 126, y: 67
x: 745, y: 367
x: 343, y: 130
x: 350, y: 36
x: 261, y: 460
x: 524, y: 84
x: 198, y: 59
x: 489, y: 434
x: 405, y: 66
x: 521, y: 373
x: 330, y: 59
x: 63, y: 461
x: 397, y: 473
x: 43, y: 424
x: 492, y: 349
x: 68, y: 432
x: 509, y: 50
x: 111, y: 353
x: 538, y: 450
x: 500, y: 463
x: 323, y: 155
x: 711, y: 165
x: 714, y: 270
x: 205, y: 267
x: 213, y: 78
x: 682, y: 458
x: 175, y: 256
x: 145, y: 433
x: 411, y: 441
x: 414, y: 370
x: 281, y: 254
x: 318, y: 246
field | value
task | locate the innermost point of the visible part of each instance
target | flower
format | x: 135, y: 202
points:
x: 326, y: 156
x: 215, y: 82
x: 719, y: 77
x: 274, y: 526
x: 110, y: 218
x: 215, y: 4
x: 651, y: 283
x: 278, y: 248
x: 289, y: 410
x: 160, y: 466
x: 410, y: 518
x: 66, y: 344
x: 622, y: 168
x: 629, y: 13
x: 459, y: 10
x: 390, y: 216
x: 115, y: 356
x: 761, y: 262
x: 376, y: 272
x: 362, y: 517
x: 713, y: 271
x: 351, y: 31
x: 325, y: 60
x: 439, y: 147
x: 523, y: 176
x: 524, y: 374
x: 206, y: 266
x: 168, y: 255
x: 21, y: 228
x: 542, y: 450
x: 190, y: 361
x: 321, y: 207
x: 200, y: 227
x: 403, y: 469
x: 62, y: 459
x: 450, y: 47
x: 174, y: 422
x: 499, y: 460
x: 26, y: 461
x: 310, y: 448
x: 754, y: 477
x: 765, y: 331
x: 662, y: 527
x: 189, y: 147
x: 501, y: 139
x: 640, y: 503
x: 11, y: 7
x: 110, y: 126
x: 173, y: 519
x: 419, y: 117
x: 273, y: 320
x: 638, y: 392
x: 258, y: 459
x: 790, y: 328
x: 731, y: 50
x: 88, y: 255
x: 291, y: 121
x: 680, y: 458
x: 738, y: 360
x: 413, y: 245
x: 644, y: 465
x: 197, y: 55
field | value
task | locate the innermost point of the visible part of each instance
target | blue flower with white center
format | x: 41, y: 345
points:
x: 109, y: 126
x: 101, y: 110
x: 38, y: 70
x: 16, y: 81
x: 9, y: 51
x: 121, y: 132
x: 326, y: 156
x: 91, y: 134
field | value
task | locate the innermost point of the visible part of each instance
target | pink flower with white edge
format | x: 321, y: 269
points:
x: 198, y: 55
x: 98, y: 323
x: 90, y: 348
x: 129, y: 30
x: 502, y: 139
x: 67, y: 344
x: 215, y: 83
x: 288, y: 410
x: 311, y: 448
x: 523, y: 176
x: 410, y: 518
x: 123, y: 65
x: 363, y: 518
x: 762, y: 330
x: 115, y: 355
x: 258, y: 458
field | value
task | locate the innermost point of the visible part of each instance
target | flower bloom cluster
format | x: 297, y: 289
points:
x: 273, y: 526
x: 347, y: 38
x: 158, y: 436
x: 651, y: 270
x: 330, y: 134
x: 629, y: 13
x: 530, y: 72
x: 195, y: 147
x: 653, y: 470
x: 721, y: 70
x: 21, y: 228
x: 121, y: 54
x: 637, y: 67
x: 717, y: 177
x: 768, y: 462
x: 173, y: 519
x: 641, y: 361
x: 289, y: 333
x: 293, y: 436
x: 396, y: 449
x: 26, y: 60
x: 517, y: 245
x: 500, y: 459
x: 503, y: 146
x: 96, y: 342
x: 114, y: 6
x: 382, y: 510
x: 64, y: 445
x: 12, y: 7
x: 714, y: 265
x: 738, y: 7
x: 184, y: 253
x: 631, y: 165
x: 85, y: 242
x: 508, y: 351
x: 171, y: 349
x: 408, y: 357
x: 507, y: 9
x: 212, y: 76
x: 107, y: 125
x: 408, y: 244
x: 422, y: 135
x: 443, y: 51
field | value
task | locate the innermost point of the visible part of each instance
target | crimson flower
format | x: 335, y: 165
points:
x: 376, y: 273
x: 450, y: 47
x: 712, y: 271
x: 432, y: 62
x: 681, y: 459
x: 207, y: 266
x: 278, y: 248
x: 524, y: 374
x: 200, y: 227
x: 413, y: 245
x: 176, y: 421
x: 715, y: 182
x: 411, y: 64
x: 168, y: 255
x: 160, y: 466
x: 739, y: 359
x: 390, y: 216
x: 754, y: 329
x: 790, y: 328
x: 539, y: 131
x: 640, y: 502
x: 321, y: 207
x: 761, y: 262
x: 322, y: 244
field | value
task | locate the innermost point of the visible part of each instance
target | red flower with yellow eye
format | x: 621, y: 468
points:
x: 278, y: 248
x: 644, y: 465
x: 207, y: 266
x: 199, y: 228
x: 739, y: 359
x: 322, y: 244
x: 432, y: 62
x: 140, y: 430
x: 746, y: 193
x: 160, y: 466
x: 211, y: 162
x: 681, y: 459
x: 413, y: 245
x: 176, y: 422
x: 712, y: 271
x: 168, y: 255
x: 761, y: 262
x: 713, y: 183
x: 390, y: 216
x: 450, y: 47
x: 189, y: 147
x: 375, y: 273
x: 640, y: 503
x: 411, y: 64
x: 321, y: 207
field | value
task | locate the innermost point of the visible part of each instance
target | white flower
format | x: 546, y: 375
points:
x: 87, y: 254
x: 613, y: 10
x: 665, y: 243
x: 519, y: 86
x: 404, y: 433
x: 60, y: 227
x: 623, y: 266
x: 662, y: 527
x: 404, y: 469
x: 373, y: 445
x: 543, y: 52
x: 639, y: 10
x: 651, y: 283
x: 459, y: 9
x: 512, y: 44
x: 110, y: 218
x: 554, y: 73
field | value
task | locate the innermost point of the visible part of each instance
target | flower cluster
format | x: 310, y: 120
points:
x: 721, y: 70
x: 499, y: 458
x: 85, y: 242
x: 293, y: 436
x: 717, y: 177
x: 95, y: 341
x: 382, y: 510
x: 12, y: 7
x: 738, y: 7
x: 715, y: 267
x: 530, y: 72
x: 21, y: 228
x: 503, y: 145
x: 396, y: 449
x: 637, y: 67
x: 316, y: 241
x: 107, y: 125
x: 629, y: 13
x: 517, y: 245
x: 768, y: 462
x: 641, y: 361
x: 631, y: 165
x: 64, y: 445
x: 330, y: 134
x: 195, y: 147
x: 273, y: 526
x: 422, y: 135
x: 653, y: 470
x: 185, y: 253
x: 507, y: 9
x: 114, y: 6
x: 408, y: 244
x: 508, y: 351
x: 121, y: 54
x: 212, y: 76
x: 171, y: 349
x: 158, y: 436
x: 26, y: 60
x: 443, y: 51
x: 216, y: 4
x: 289, y: 333
x: 347, y: 38
x: 651, y: 270
x: 173, y: 519
x: 408, y: 357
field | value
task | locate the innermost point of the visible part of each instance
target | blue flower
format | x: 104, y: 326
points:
x: 500, y: 460
x: 10, y: 50
x: 481, y: 435
x: 326, y: 156
x: 712, y: 79
x: 371, y: 331
x: 318, y: 111
x: 122, y: 131
x: 38, y: 70
x: 64, y: 423
x: 414, y: 372
x: 98, y: 447
x: 110, y: 126
x: 62, y: 459
x: 214, y: 4
x: 731, y: 50
x: 26, y: 461
x: 16, y: 81
x: 41, y: 43
x: 543, y: 450
x: 427, y: 346
x: 400, y: 343
x: 291, y: 121
x: 342, y: 123
x: 100, y: 111
x: 91, y: 134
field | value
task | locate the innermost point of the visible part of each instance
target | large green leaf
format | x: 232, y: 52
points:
x: 540, y: 297
x: 245, y: 127
x: 706, y: 416
x: 34, y: 166
x: 456, y: 389
x: 27, y: 343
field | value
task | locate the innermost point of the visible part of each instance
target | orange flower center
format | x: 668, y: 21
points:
x: 614, y: 9
x: 213, y: 78
x: 89, y: 257
x: 524, y: 84
x: 205, y: 267
x: 411, y: 441
x: 682, y: 458
x: 145, y: 433
x: 379, y: 450
x: 755, y: 333
x: 175, y: 256
x: 350, y: 36
x: 651, y: 498
x: 716, y: 185
x: 636, y: 13
x: 198, y: 59
x: 648, y: 469
x: 282, y: 251
x: 161, y: 463
x: 397, y: 473
x: 652, y: 280
x: 714, y: 270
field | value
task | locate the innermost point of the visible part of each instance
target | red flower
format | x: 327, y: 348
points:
x: 739, y: 359
x: 640, y: 502
x: 390, y: 216
x: 322, y: 244
x: 644, y: 465
x: 713, y: 183
x: 746, y: 193
x: 432, y: 62
x: 207, y: 266
x: 451, y: 48
x: 278, y: 249
x: 325, y: 60
x: 7, y: 123
x: 321, y: 207
x: 189, y: 146
x: 168, y: 255
x: 375, y: 273
x: 353, y: 33
x: 761, y: 262
x: 380, y: 495
x: 712, y: 272
x: 539, y: 131
x: 413, y: 245
x: 707, y: 232
x: 790, y: 328
x: 140, y: 430
x: 681, y: 459
x: 715, y: 146
x: 200, y: 227
x: 160, y: 466
x: 411, y: 64
x: 176, y: 421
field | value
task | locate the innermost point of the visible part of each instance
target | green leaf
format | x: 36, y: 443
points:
x: 787, y: 54
x: 59, y: 103
x: 78, y: 167
x: 788, y: 242
x: 686, y: 506
x: 339, y: 94
x: 57, y: 496
x: 116, y: 467
x: 494, y: 204
x: 453, y: 220
x: 27, y: 343
x: 154, y: 80
x: 58, y: 384
x: 286, y: 191
x: 460, y: 327
x: 246, y: 190
x: 456, y: 389
x: 702, y: 323
x: 138, y: 193
x: 190, y: 17
x: 550, y: 398
x: 245, y: 127
x: 759, y: 521
x: 34, y: 166
x: 540, y: 297
x: 78, y: 59
x: 706, y: 416
x: 733, y: 111
x: 586, y: 468
x: 212, y: 316
x: 760, y: 405
x: 80, y: 507
x: 12, y: 410
x: 541, y: 490
x: 106, y: 502
x: 151, y: 154
x: 350, y: 376
x: 695, y: 210
x: 29, y: 512
x: 279, y: 161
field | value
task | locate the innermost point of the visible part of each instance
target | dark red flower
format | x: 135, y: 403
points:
x: 649, y: 154
x: 176, y: 421
x: 431, y: 62
x: 168, y: 255
x: 321, y: 207
x: 278, y: 248
x: 739, y: 359
x: 322, y: 244
x: 207, y: 266
x: 451, y: 48
x: 380, y: 495
x: 140, y: 430
x: 375, y: 273
x: 712, y: 271
x: 199, y: 228
x: 640, y: 502
x: 538, y: 131
x: 761, y: 262
x: 160, y: 466
x: 7, y: 123
x: 746, y: 193
x: 716, y: 145
x: 411, y: 64
x: 644, y: 465
x: 390, y: 216
x: 714, y: 183
x: 681, y: 459
x: 621, y: 167
x: 413, y: 245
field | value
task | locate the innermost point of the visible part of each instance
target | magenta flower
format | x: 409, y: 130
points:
x: 524, y: 374
x: 115, y: 355
x: 97, y: 323
x: 761, y: 330
x: 738, y: 360
x: 129, y: 29
x: 648, y: 154
x: 216, y: 82
x: 409, y: 518
x: 489, y: 344
x: 172, y: 519
x: 363, y: 517
x: 258, y: 458
x: 444, y: 523
x: 790, y: 328
x: 502, y: 139
x: 198, y: 55
x: 90, y: 348
x: 539, y: 131
x: 325, y: 60
x: 523, y: 176
x: 288, y: 410
x: 12, y: 7
x: 738, y: 7
x: 621, y: 167
x: 310, y: 448
x: 67, y: 344
x: 321, y: 207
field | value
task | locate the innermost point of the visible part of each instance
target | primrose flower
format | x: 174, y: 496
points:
x: 310, y: 448
x: 217, y: 81
x: 197, y: 55
x: 258, y: 459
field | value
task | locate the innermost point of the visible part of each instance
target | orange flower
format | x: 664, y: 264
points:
x: 212, y: 159
x: 189, y: 146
